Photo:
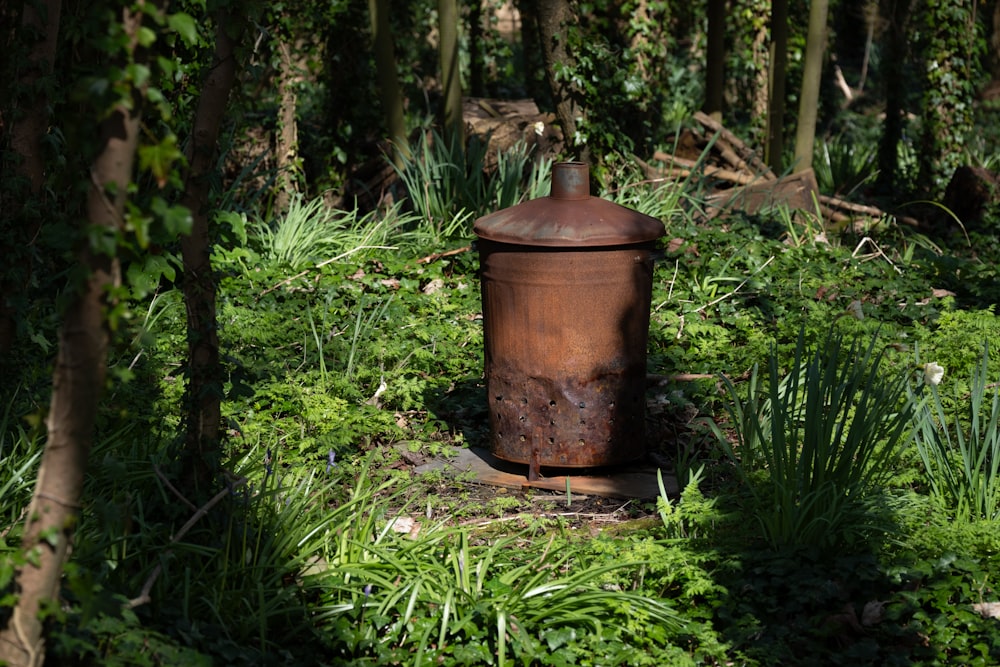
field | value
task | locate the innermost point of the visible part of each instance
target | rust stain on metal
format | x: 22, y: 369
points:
x: 566, y: 284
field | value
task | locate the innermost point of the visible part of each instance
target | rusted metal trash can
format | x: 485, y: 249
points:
x: 566, y: 288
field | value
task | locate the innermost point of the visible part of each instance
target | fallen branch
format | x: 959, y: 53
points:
x: 715, y: 172
x: 844, y: 205
x: 190, y: 505
x: 655, y: 380
x: 147, y: 587
x: 737, y: 289
x: 741, y: 148
x: 439, y: 255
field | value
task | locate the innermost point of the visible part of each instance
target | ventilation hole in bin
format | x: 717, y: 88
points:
x: 552, y: 441
x: 582, y: 405
x: 581, y: 443
x: 499, y: 397
x: 523, y: 418
x: 521, y: 438
x: 524, y: 400
x: 552, y: 404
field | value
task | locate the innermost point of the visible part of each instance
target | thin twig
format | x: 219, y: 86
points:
x: 439, y: 255
x: 284, y: 282
x: 738, y: 287
x: 180, y: 496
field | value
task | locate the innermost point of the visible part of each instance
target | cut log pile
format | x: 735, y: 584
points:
x: 736, y: 178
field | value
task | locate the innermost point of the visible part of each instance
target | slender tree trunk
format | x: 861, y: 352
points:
x: 995, y: 43
x: 41, y: 22
x: 531, y: 49
x: 77, y: 381
x: 388, y: 81
x: 476, y: 85
x: 554, y: 16
x: 451, y: 79
x: 715, y: 59
x: 805, y: 131
x: 895, y: 14
x: 776, y: 87
x: 287, y: 138
x: 204, y: 388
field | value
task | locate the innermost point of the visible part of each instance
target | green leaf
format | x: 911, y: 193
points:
x: 146, y: 36
x: 177, y: 221
x: 159, y: 159
x: 145, y: 277
x: 185, y: 26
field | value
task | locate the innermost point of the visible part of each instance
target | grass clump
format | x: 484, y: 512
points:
x: 814, y: 445
x: 961, y: 453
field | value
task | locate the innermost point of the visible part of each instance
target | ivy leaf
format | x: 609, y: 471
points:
x: 159, y: 159
x: 176, y: 219
x: 184, y: 26
x: 145, y: 277
x: 146, y: 36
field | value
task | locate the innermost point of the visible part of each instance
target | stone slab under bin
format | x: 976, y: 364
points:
x: 632, y: 481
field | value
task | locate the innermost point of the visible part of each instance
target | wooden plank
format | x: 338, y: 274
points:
x: 797, y: 191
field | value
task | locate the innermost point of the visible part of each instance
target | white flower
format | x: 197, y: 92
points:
x: 854, y: 309
x: 539, y: 128
x: 933, y: 373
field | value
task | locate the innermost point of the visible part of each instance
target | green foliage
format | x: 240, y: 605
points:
x: 843, y: 165
x: 814, y: 444
x: 20, y: 452
x: 312, y: 232
x: 962, y: 458
x: 394, y: 590
x: 447, y: 183
x: 634, y: 90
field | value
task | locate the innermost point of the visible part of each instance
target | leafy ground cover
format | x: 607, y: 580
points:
x: 839, y: 493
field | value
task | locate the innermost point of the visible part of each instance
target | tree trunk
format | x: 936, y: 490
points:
x: 805, y: 131
x: 286, y: 140
x: 995, y: 43
x: 895, y: 15
x: 715, y: 59
x: 950, y: 77
x: 451, y: 79
x: 553, y: 18
x: 204, y: 388
x: 41, y: 22
x: 476, y: 86
x: 388, y: 81
x: 531, y: 51
x: 77, y: 381
x: 776, y: 85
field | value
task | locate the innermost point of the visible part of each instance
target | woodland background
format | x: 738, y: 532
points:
x: 154, y: 149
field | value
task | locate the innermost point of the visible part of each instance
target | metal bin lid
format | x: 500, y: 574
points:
x: 569, y: 217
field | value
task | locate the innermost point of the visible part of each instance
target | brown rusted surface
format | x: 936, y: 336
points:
x: 565, y: 338
x: 566, y: 284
